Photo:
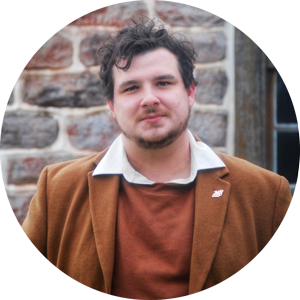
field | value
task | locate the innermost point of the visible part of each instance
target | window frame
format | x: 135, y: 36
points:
x: 250, y: 100
x: 276, y: 62
x: 256, y: 125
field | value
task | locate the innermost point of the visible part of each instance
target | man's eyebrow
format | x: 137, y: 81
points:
x: 162, y: 77
x: 127, y: 83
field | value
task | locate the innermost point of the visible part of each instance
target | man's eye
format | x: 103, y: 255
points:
x: 163, y: 83
x: 132, y: 88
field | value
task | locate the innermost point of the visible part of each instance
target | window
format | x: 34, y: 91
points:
x: 266, y: 131
x: 283, y: 129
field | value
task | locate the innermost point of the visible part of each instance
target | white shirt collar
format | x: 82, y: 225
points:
x: 115, y: 162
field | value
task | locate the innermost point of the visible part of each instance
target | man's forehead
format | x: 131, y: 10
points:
x: 148, y: 59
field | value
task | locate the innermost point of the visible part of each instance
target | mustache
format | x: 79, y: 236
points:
x: 149, y: 111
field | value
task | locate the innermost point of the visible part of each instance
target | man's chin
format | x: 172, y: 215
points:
x: 157, y: 142
x: 152, y: 144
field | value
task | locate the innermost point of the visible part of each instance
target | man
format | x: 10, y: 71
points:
x: 158, y: 214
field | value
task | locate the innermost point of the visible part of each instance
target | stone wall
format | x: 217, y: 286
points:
x: 56, y: 111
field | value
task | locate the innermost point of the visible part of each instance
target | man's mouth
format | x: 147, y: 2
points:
x: 151, y: 118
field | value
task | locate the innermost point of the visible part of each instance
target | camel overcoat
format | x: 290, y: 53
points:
x: 72, y: 219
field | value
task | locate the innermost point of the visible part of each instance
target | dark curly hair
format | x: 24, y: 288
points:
x: 142, y: 36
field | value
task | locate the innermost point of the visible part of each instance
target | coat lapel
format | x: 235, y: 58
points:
x: 103, y: 197
x: 208, y: 225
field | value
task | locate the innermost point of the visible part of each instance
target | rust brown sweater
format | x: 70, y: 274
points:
x: 153, y: 240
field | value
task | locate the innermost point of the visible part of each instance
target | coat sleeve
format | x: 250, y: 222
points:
x: 24, y: 272
x: 284, y: 270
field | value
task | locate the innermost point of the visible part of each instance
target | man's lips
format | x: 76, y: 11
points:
x: 151, y: 118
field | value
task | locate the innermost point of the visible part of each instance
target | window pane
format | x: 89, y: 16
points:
x: 285, y: 108
x: 287, y: 27
x: 288, y: 155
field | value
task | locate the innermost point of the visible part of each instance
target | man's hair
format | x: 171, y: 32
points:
x: 143, y: 36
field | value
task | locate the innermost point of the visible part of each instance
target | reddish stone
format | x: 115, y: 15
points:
x: 177, y: 14
x: 114, y: 15
x: 212, y: 85
x: 94, y: 132
x: 22, y: 11
x: 89, y: 48
x: 20, y: 204
x: 210, y: 127
x: 6, y: 89
x: 26, y: 170
x: 64, y: 90
x: 36, y: 49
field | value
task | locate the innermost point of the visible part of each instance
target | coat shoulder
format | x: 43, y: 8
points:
x: 241, y: 169
x: 75, y: 168
x: 253, y: 186
x: 64, y: 184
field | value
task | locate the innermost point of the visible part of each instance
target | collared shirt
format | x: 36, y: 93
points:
x: 115, y: 162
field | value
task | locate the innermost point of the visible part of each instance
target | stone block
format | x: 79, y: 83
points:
x: 177, y: 14
x: 22, y: 11
x: 6, y: 89
x: 211, y: 47
x: 212, y: 85
x: 64, y: 90
x: 28, y: 130
x: 36, y: 49
x: 94, y: 132
x: 210, y: 127
x: 20, y: 204
x: 89, y: 48
x: 7, y: 233
x: 26, y: 170
x: 117, y: 15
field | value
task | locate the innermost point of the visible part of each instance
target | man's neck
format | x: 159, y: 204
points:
x: 161, y: 165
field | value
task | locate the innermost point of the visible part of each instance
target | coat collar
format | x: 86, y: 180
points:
x: 103, y: 197
x: 208, y: 223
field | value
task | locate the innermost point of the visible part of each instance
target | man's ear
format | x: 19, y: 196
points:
x: 191, y: 94
x: 111, y: 107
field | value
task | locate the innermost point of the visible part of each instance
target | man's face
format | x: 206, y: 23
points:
x: 151, y: 104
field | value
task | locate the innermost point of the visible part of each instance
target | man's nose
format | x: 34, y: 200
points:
x: 149, y: 98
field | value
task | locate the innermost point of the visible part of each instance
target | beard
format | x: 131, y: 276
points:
x: 161, y: 142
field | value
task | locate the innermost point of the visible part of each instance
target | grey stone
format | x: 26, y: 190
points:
x: 210, y: 127
x: 28, y: 130
x: 6, y: 89
x: 66, y: 90
x: 7, y: 233
x: 94, y: 132
x: 211, y: 47
x: 22, y: 11
x: 177, y: 14
x: 117, y: 15
x: 89, y: 48
x: 212, y: 85
x: 25, y: 170
x: 36, y: 49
